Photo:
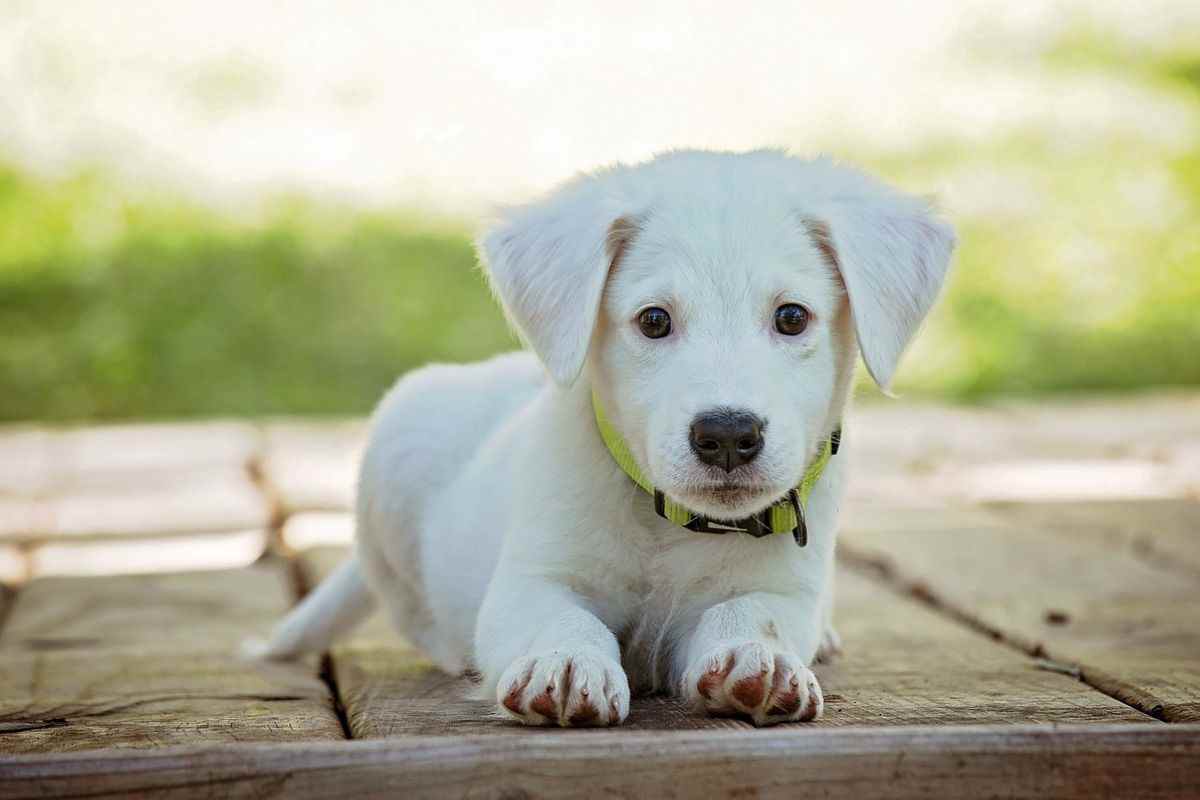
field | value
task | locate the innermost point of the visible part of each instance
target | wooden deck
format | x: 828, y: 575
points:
x: 1019, y: 598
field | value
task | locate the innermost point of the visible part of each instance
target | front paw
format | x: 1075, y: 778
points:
x: 752, y: 679
x: 567, y: 689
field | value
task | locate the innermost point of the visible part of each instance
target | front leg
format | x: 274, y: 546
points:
x: 550, y: 660
x: 744, y: 659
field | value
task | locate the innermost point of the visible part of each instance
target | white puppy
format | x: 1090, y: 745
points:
x: 708, y: 308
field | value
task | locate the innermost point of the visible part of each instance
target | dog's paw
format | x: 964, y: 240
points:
x: 567, y: 689
x: 751, y: 679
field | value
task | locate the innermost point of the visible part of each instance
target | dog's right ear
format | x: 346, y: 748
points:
x: 548, y: 263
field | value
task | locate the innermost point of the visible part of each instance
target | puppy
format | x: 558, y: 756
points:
x: 647, y: 501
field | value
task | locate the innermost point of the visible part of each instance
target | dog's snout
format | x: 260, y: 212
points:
x: 727, y: 438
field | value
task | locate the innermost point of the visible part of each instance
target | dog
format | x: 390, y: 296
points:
x: 647, y: 501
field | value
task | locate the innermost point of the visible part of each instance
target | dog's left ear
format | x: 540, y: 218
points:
x: 548, y: 263
x: 893, y: 255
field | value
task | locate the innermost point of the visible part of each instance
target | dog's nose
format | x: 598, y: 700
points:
x: 727, y: 438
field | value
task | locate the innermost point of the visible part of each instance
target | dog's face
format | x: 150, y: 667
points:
x: 722, y: 329
x: 717, y: 300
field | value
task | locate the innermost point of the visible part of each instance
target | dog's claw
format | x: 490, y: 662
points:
x: 566, y: 699
x: 749, y: 679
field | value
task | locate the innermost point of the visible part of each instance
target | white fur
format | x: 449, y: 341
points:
x: 499, y: 532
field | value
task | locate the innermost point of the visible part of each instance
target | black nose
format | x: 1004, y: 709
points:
x: 726, y: 438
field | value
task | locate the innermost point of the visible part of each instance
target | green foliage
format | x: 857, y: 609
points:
x: 1078, y: 268
x: 110, y: 309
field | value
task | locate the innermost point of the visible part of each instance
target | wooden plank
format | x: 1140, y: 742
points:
x: 903, y: 665
x: 1144, y: 761
x: 1147, y: 425
x: 151, y: 660
x: 166, y: 504
x: 14, y: 565
x: 923, y: 454
x: 208, y: 551
x: 1062, y: 585
x: 310, y: 529
x: 1169, y: 536
x: 313, y: 466
x: 56, y: 460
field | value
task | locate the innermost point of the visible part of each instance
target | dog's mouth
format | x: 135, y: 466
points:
x: 732, y: 499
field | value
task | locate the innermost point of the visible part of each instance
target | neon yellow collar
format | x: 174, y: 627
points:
x: 785, y: 516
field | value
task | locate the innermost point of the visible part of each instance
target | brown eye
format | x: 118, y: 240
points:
x: 654, y: 322
x: 791, y: 319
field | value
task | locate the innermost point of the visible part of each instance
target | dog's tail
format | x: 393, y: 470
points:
x: 341, y: 601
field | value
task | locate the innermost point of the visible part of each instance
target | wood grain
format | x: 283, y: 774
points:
x: 1065, y: 583
x: 903, y: 665
x: 1165, y: 533
x: 147, y: 661
x: 1142, y: 761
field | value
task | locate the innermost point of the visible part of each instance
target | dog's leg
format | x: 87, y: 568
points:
x: 831, y: 644
x: 551, y: 661
x: 744, y: 659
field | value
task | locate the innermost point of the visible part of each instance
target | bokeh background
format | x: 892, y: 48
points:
x: 230, y: 208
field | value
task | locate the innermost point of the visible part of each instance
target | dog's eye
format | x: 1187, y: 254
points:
x: 654, y: 322
x: 791, y: 319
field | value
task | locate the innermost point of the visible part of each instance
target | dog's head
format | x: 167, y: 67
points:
x: 716, y: 301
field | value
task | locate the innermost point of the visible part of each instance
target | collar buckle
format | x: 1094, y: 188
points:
x: 758, y: 526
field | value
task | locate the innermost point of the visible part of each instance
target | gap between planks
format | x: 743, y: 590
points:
x: 256, y: 468
x: 301, y: 586
x: 887, y: 573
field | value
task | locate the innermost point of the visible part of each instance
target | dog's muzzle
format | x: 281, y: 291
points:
x: 784, y: 516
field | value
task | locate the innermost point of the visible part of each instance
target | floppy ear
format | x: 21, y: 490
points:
x: 548, y: 263
x: 893, y: 255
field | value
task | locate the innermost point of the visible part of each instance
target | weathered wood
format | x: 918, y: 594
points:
x: 187, y: 502
x: 312, y: 467
x: 14, y: 566
x: 903, y: 665
x: 55, y: 460
x: 208, y: 551
x: 907, y: 454
x: 1142, y: 761
x: 1166, y: 533
x: 146, y: 661
x: 1062, y: 584
x: 311, y: 529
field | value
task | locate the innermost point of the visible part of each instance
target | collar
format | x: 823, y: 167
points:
x: 784, y: 516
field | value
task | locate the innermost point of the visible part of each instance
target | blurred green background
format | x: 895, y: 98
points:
x: 1078, y: 266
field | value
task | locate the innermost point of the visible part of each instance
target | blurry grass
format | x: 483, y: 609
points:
x: 112, y: 309
x: 1080, y: 270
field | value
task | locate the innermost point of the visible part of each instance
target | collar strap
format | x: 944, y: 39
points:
x: 785, y: 516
